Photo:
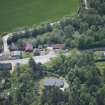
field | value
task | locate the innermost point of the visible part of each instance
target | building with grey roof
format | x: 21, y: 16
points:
x: 16, y: 54
x: 54, y: 82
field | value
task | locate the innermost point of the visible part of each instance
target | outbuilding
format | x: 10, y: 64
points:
x: 16, y: 54
x: 54, y: 82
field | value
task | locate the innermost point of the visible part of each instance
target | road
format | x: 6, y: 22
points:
x: 38, y: 59
x: 5, y: 38
x: 86, y: 4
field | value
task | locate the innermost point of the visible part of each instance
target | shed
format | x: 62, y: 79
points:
x: 54, y: 82
x: 16, y: 54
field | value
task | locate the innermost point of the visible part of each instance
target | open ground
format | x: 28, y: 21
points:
x: 19, y: 13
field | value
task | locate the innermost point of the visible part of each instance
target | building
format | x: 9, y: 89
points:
x: 54, y: 82
x: 36, y: 52
x: 16, y: 54
x: 13, y: 47
x: 57, y: 46
x: 3, y: 98
x: 29, y: 47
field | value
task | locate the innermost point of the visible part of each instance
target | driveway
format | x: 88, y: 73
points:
x: 5, y: 38
x: 86, y: 4
x: 38, y: 59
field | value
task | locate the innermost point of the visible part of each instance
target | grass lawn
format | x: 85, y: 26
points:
x: 18, y: 13
x: 26, y: 54
x: 99, y: 54
x: 101, y: 65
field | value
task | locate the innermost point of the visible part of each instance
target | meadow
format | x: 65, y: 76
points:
x: 19, y: 13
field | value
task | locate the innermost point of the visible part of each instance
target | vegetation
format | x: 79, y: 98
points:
x: 86, y: 82
x: 19, y: 13
x: 85, y: 76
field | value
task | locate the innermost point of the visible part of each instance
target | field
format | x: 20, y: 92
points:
x: 18, y: 13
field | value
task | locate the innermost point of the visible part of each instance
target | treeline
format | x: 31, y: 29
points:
x: 30, y: 32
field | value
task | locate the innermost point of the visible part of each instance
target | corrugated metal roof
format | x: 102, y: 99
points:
x: 53, y: 82
x: 16, y: 53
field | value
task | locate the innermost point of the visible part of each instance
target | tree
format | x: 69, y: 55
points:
x: 36, y: 68
x: 100, y: 97
x: 22, y: 88
x: 53, y: 96
x: 69, y: 30
x: 32, y: 64
x: 83, y: 27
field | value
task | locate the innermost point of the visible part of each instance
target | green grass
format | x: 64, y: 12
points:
x: 101, y: 65
x: 19, y: 13
x: 98, y: 54
x: 27, y: 55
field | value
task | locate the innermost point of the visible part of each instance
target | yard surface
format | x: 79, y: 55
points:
x: 19, y: 13
x: 101, y: 65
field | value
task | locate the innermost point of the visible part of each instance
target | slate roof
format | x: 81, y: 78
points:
x: 15, y: 53
x: 54, y: 82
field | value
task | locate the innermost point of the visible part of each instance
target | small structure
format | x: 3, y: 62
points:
x: 36, y: 52
x: 57, y: 46
x: 49, y: 48
x: 13, y: 47
x: 40, y: 47
x: 29, y: 47
x: 54, y: 82
x: 16, y: 54
x: 5, y: 66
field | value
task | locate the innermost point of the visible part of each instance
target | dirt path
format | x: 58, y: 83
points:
x: 86, y: 4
